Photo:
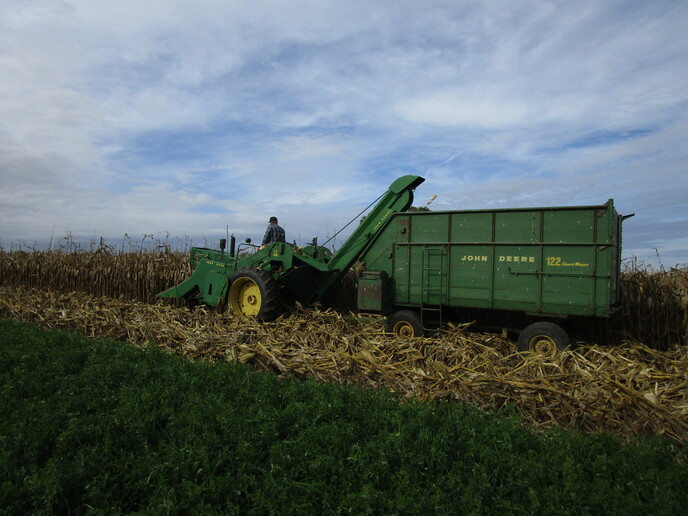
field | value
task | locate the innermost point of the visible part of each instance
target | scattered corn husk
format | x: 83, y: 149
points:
x: 629, y: 390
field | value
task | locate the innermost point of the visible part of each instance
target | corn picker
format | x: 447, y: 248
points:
x: 259, y: 284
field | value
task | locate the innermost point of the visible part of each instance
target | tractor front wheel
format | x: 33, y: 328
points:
x: 543, y: 338
x: 253, y: 293
x: 405, y: 323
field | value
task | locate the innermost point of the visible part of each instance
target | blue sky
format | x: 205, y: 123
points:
x: 182, y: 118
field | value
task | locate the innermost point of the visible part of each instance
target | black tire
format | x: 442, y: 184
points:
x: 405, y: 323
x: 253, y: 293
x: 543, y: 338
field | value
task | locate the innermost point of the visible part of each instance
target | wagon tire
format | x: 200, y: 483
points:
x: 405, y: 323
x: 253, y: 293
x: 543, y: 338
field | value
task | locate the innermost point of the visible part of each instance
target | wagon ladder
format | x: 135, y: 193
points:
x: 433, y: 283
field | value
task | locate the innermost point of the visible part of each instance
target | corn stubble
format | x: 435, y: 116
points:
x: 629, y: 390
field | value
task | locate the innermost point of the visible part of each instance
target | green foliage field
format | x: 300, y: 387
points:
x: 92, y: 426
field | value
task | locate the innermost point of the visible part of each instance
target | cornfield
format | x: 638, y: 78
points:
x: 654, y: 310
x: 130, y: 275
x: 633, y: 386
x: 655, y: 307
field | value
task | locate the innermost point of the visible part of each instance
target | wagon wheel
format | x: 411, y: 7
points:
x: 543, y: 338
x: 253, y: 293
x: 405, y: 323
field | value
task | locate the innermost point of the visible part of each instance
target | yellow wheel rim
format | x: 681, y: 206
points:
x: 244, y: 297
x: 403, y: 329
x: 543, y: 345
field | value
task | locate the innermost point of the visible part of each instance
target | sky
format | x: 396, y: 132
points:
x: 180, y: 121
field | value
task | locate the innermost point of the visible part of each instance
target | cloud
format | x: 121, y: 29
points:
x: 465, y: 108
x: 167, y: 116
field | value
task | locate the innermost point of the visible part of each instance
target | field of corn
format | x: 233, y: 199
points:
x: 628, y: 379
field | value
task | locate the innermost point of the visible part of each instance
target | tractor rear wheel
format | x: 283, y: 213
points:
x: 405, y: 323
x: 253, y: 293
x: 543, y: 338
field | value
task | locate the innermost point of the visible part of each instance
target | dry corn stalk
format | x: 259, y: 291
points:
x: 630, y: 390
x: 654, y: 311
x: 134, y: 275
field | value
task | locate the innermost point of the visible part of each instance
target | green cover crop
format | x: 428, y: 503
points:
x: 100, y: 426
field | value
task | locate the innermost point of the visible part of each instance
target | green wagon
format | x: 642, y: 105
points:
x: 545, y: 264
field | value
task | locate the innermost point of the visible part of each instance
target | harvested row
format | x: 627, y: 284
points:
x: 629, y: 391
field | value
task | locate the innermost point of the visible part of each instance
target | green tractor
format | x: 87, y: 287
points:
x: 259, y: 285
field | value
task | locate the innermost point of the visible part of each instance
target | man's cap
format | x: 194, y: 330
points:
x: 273, y: 219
